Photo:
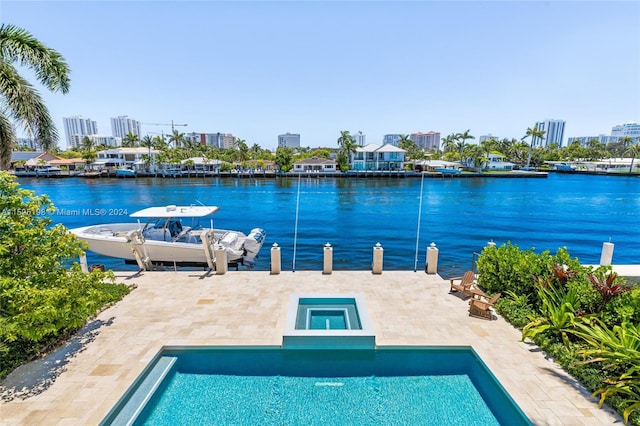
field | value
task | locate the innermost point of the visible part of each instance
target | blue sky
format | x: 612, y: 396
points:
x: 259, y: 69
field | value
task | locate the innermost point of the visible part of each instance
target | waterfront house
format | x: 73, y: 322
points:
x: 497, y: 163
x: 21, y: 159
x: 134, y: 158
x: 434, y: 165
x: 315, y: 165
x: 202, y: 165
x: 70, y: 164
x: 378, y: 157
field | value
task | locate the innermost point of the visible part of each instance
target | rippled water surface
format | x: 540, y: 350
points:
x: 459, y: 215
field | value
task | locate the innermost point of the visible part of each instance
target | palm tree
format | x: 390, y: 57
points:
x: 449, y: 142
x: 130, y: 140
x: 22, y: 102
x: 462, y: 138
x: 404, y: 140
x: 348, y: 147
x: 177, y: 138
x: 633, y: 151
x: 88, y: 147
x: 410, y: 146
x: 241, y: 150
x: 476, y: 155
x: 534, y: 133
x: 344, y: 136
x: 624, y: 142
x: 159, y: 143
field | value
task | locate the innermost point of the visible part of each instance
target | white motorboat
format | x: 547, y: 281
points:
x: 172, y: 235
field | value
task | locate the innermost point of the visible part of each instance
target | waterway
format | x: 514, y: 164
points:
x: 459, y: 215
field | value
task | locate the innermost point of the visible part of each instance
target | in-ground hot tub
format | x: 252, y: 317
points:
x: 327, y: 321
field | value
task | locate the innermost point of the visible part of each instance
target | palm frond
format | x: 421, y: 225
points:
x: 25, y: 105
x: 7, y: 138
x: 50, y: 68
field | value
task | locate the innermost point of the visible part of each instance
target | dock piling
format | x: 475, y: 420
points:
x: 275, y: 259
x: 378, y: 255
x: 328, y: 259
x: 432, y: 259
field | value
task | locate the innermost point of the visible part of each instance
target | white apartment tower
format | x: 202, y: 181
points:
x: 359, y: 138
x: 629, y: 129
x: 122, y: 125
x: 553, y: 132
x: 291, y: 140
x: 78, y: 126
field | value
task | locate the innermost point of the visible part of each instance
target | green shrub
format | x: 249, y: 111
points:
x: 507, y: 268
x: 586, y: 320
x: 515, y: 309
x: 43, y: 292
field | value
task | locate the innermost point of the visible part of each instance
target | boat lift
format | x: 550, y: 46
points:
x: 215, y: 255
x: 136, y: 243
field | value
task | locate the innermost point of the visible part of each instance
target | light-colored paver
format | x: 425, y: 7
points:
x: 250, y: 308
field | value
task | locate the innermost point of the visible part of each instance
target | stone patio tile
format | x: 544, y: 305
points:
x: 250, y: 309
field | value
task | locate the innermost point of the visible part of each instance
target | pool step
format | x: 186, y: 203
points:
x: 129, y: 407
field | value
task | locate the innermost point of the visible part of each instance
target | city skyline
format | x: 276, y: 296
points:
x: 260, y: 69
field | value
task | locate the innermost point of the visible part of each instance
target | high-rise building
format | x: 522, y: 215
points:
x: 359, y: 138
x: 391, y: 139
x: 122, y: 125
x: 487, y: 137
x: 584, y: 140
x: 290, y: 140
x: 209, y: 139
x: 228, y: 140
x: 629, y: 129
x: 553, y: 132
x: 428, y: 141
x: 78, y: 126
x: 28, y: 143
x: 111, y: 141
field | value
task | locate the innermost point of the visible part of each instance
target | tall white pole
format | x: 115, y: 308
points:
x: 415, y: 265
x: 295, y: 231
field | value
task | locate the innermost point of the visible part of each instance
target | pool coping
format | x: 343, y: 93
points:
x: 293, y: 338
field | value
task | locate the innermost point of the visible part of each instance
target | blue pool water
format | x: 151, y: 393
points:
x: 459, y: 215
x: 248, y: 386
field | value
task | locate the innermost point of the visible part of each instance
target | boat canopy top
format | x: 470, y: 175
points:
x: 176, y: 211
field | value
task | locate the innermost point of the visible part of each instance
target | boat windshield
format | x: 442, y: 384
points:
x: 173, y: 225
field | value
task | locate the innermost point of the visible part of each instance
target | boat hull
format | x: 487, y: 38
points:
x: 113, y: 240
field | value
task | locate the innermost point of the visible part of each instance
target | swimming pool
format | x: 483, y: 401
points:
x: 271, y: 385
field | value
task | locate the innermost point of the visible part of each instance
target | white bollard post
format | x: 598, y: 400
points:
x: 221, y: 259
x: 432, y: 259
x: 607, y: 254
x: 275, y: 259
x: 328, y: 259
x: 377, y: 258
x: 83, y: 262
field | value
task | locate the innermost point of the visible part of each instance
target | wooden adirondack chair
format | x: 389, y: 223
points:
x: 481, y: 308
x: 464, y: 285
